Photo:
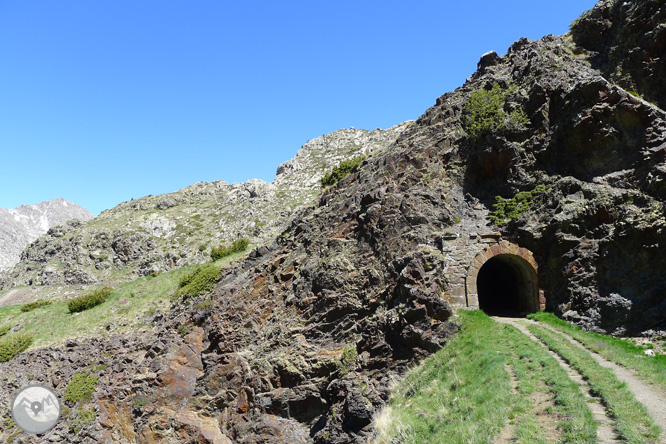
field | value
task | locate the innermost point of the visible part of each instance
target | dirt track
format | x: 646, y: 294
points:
x: 651, y: 397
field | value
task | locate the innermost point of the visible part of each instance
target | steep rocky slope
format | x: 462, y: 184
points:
x: 299, y: 343
x: 158, y: 233
x: 22, y: 225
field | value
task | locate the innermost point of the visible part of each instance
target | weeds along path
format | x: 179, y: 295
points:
x: 605, y: 430
x: 653, y: 398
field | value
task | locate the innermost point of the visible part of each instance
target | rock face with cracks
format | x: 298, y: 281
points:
x: 299, y: 342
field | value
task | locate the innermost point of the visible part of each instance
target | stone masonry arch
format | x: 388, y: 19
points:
x: 503, y: 279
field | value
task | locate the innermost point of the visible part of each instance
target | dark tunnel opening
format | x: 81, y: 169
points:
x: 506, y: 286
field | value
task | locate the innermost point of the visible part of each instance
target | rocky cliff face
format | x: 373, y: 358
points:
x: 158, y: 233
x: 22, y: 225
x: 299, y: 342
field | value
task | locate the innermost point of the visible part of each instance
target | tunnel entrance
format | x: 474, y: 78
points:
x: 507, y: 286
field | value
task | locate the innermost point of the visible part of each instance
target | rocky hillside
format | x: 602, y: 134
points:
x: 20, y: 226
x: 158, y: 233
x: 299, y: 343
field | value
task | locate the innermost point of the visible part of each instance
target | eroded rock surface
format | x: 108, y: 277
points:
x: 299, y: 342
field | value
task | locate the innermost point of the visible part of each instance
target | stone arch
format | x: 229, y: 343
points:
x: 503, y: 279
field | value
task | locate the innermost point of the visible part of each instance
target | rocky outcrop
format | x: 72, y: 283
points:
x: 627, y: 40
x: 299, y: 342
x: 22, y: 225
x: 158, y: 233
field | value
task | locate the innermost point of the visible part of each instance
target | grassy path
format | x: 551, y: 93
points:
x: 646, y: 390
x: 489, y: 384
x: 517, y: 381
x: 606, y: 431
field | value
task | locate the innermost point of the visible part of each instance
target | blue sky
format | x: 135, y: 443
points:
x: 105, y: 101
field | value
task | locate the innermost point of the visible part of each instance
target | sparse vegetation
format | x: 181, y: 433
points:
x: 223, y: 251
x: 506, y: 210
x: 347, y: 361
x: 199, y: 281
x: 89, y: 300
x: 183, y: 330
x: 484, y: 113
x: 34, y: 305
x: 81, y: 387
x: 14, y: 344
x: 345, y: 168
x: 85, y: 417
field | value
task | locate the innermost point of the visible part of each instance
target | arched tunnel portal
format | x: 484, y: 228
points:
x: 503, y: 281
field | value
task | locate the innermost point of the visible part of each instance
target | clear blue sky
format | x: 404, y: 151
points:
x: 104, y: 101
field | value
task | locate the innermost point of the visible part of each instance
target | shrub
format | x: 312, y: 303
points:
x: 85, y: 417
x: 347, y: 360
x: 199, y: 281
x: 12, y: 345
x: 345, y: 168
x: 81, y: 387
x: 89, y: 300
x: 4, y: 330
x: 505, y: 210
x: 34, y: 305
x: 223, y: 251
x: 484, y: 113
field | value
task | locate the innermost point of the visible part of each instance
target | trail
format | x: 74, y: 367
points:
x: 653, y: 398
x: 605, y: 430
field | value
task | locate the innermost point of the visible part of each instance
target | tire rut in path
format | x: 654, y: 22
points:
x: 653, y: 398
x: 605, y: 431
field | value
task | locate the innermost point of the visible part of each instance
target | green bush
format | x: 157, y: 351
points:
x: 348, y: 359
x: 345, y: 168
x: 89, y: 300
x: 80, y: 387
x: 223, y: 251
x: 484, y: 113
x: 4, y: 330
x: 506, y: 210
x: 34, y: 305
x: 85, y: 417
x: 199, y: 281
x: 12, y: 345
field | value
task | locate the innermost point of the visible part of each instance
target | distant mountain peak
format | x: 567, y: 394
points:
x: 21, y: 225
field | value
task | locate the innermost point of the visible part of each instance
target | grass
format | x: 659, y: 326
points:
x: 463, y: 393
x: 631, y: 419
x: 128, y: 307
x: 651, y: 369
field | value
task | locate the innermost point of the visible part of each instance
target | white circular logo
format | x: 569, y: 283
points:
x: 36, y: 409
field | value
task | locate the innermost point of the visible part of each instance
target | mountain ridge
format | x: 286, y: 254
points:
x: 22, y: 225
x: 157, y: 233
x: 300, y: 340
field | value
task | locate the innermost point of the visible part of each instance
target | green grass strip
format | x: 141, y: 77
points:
x: 651, y: 369
x: 534, y: 365
x: 632, y: 420
x: 463, y: 393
